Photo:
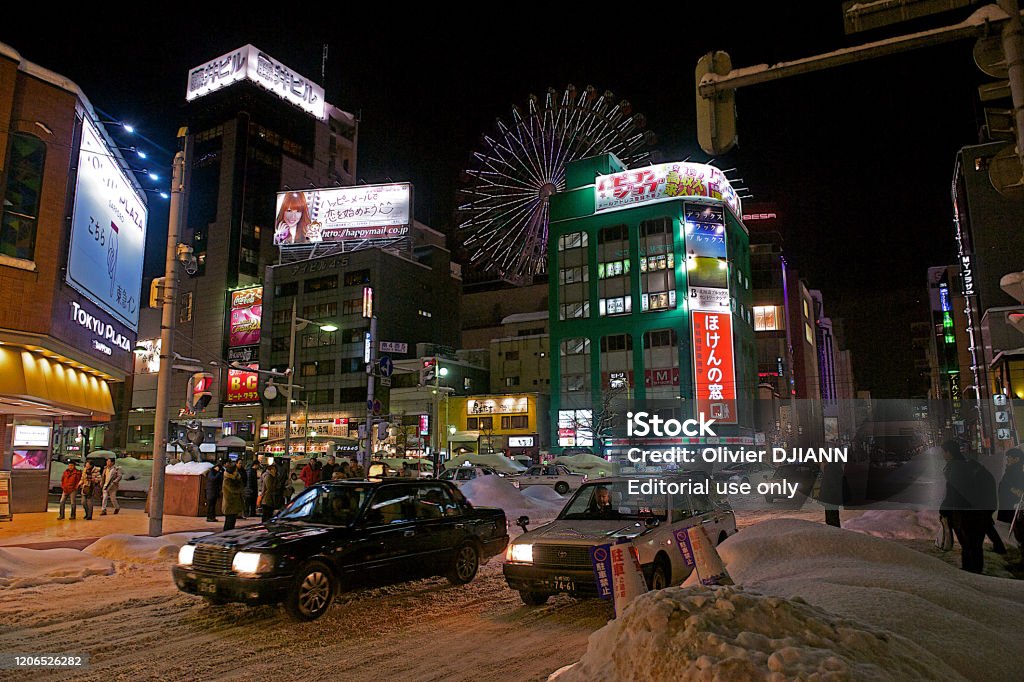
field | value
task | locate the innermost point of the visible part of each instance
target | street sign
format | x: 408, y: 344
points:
x: 393, y: 347
x: 369, y: 404
x: 1003, y: 434
x: 386, y: 366
x: 385, y: 382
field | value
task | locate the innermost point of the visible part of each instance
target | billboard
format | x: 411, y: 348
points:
x: 713, y: 367
x: 250, y: 63
x: 245, y: 316
x: 344, y: 214
x: 243, y: 387
x: 663, y: 182
x: 108, y: 232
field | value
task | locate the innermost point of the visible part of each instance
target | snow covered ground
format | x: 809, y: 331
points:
x: 21, y: 567
x: 812, y: 600
x: 136, y: 549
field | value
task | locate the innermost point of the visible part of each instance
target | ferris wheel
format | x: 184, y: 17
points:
x: 503, y: 210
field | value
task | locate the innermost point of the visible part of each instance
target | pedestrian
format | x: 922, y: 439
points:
x: 269, y: 500
x: 111, y: 480
x: 91, y: 484
x: 252, y: 484
x: 327, y: 471
x: 1011, y: 485
x: 309, y: 473
x: 233, y: 491
x: 214, y: 481
x: 289, y: 487
x: 341, y: 471
x: 354, y: 469
x: 69, y: 483
x: 968, y: 505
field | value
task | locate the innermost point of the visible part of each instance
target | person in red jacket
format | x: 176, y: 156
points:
x: 310, y: 473
x: 69, y: 488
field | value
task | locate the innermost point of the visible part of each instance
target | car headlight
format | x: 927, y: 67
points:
x: 522, y: 554
x: 185, y: 555
x: 252, y: 563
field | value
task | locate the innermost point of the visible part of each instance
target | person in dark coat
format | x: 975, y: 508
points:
x: 327, y: 470
x: 233, y: 492
x: 91, y: 487
x: 214, y: 481
x: 270, y: 499
x: 1011, y: 485
x: 969, y: 503
x: 252, y: 485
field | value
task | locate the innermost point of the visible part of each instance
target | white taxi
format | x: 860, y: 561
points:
x: 556, y: 476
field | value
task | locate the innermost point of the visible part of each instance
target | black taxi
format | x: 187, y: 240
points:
x: 340, y: 534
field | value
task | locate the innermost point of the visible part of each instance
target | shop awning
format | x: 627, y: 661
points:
x: 32, y: 383
x: 464, y: 437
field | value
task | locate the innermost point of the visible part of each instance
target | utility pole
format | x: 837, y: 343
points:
x: 370, y: 390
x: 163, y: 390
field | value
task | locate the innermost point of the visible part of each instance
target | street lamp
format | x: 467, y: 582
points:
x: 298, y: 324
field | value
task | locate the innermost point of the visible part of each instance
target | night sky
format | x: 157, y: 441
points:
x: 859, y: 159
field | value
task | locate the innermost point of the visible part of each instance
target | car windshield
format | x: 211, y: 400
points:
x: 612, y: 501
x: 335, y: 506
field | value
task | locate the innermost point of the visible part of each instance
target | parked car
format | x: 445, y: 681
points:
x: 339, y: 534
x: 465, y: 474
x: 555, y: 558
x: 555, y: 475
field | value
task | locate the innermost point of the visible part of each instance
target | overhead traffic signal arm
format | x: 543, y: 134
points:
x: 717, y: 81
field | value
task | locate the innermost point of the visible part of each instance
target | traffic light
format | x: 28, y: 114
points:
x: 1004, y: 168
x: 716, y: 115
x: 200, y: 391
x: 428, y: 372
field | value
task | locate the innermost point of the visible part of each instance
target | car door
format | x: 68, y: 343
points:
x: 439, y: 526
x: 388, y: 533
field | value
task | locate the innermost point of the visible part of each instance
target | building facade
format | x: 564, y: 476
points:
x: 72, y: 240
x: 650, y: 301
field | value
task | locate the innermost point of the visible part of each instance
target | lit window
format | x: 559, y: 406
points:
x: 768, y: 318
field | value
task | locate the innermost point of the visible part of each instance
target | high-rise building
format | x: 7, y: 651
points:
x: 255, y: 128
x: 650, y: 301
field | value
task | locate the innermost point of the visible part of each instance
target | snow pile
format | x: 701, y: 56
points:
x: 188, y: 468
x: 496, y: 462
x: 897, y: 524
x: 23, y: 567
x: 732, y: 634
x: 494, y: 491
x: 971, y: 622
x: 138, y: 549
x: 543, y: 493
x: 591, y: 465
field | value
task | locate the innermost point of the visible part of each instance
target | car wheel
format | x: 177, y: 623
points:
x: 312, y: 592
x: 534, y: 598
x: 561, y: 487
x: 659, y: 576
x: 464, y: 564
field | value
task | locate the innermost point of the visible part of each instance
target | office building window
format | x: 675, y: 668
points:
x: 26, y: 157
x: 515, y: 422
x: 321, y: 396
x: 573, y: 275
x: 319, y: 338
x: 613, y: 271
x: 279, y: 343
x: 480, y: 423
x: 511, y: 381
x: 357, y: 277
x: 353, y: 306
x: 661, y: 364
x: 320, y: 284
x: 320, y: 311
x: 283, y: 316
x: 317, y: 369
x: 286, y: 289
x: 353, y: 394
x: 768, y: 318
x: 575, y: 365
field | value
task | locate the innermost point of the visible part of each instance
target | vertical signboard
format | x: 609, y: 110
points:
x: 713, y: 366
x: 108, y: 232
x: 245, y: 317
x: 243, y: 387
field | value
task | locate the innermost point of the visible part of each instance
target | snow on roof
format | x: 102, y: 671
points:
x: 525, y: 317
x: 23, y: 567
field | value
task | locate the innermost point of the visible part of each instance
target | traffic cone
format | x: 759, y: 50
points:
x: 709, y: 566
x: 627, y: 576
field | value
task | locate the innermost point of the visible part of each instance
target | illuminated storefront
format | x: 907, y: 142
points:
x: 650, y: 301
x: 74, y: 231
x: 515, y: 424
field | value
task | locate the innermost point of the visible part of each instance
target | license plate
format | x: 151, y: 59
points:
x: 207, y: 586
x: 565, y: 585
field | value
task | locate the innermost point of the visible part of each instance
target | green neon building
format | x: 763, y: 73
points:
x: 636, y: 258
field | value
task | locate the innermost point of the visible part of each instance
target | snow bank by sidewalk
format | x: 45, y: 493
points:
x: 494, y: 491
x: 896, y: 524
x: 543, y: 493
x: 137, y: 549
x: 918, y: 610
x: 23, y: 567
x: 732, y: 634
x: 188, y: 468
